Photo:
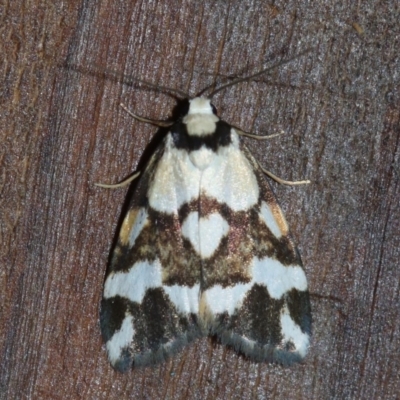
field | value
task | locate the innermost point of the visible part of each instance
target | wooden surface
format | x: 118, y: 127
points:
x: 62, y: 130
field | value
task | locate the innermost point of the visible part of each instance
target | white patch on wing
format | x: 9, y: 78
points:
x: 121, y: 339
x: 185, y: 298
x: 268, y: 217
x: 176, y: 180
x: 204, y: 234
x: 230, y: 178
x: 292, y: 332
x: 140, y: 222
x: 202, y: 158
x: 220, y: 299
x: 134, y: 283
x: 277, y: 278
x: 145, y: 275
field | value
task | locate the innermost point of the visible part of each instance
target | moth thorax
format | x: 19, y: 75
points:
x: 202, y: 158
x: 200, y: 124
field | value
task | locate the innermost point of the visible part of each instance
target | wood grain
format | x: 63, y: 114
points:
x: 62, y: 130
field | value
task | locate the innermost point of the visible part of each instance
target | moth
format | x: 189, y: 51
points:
x: 204, y: 249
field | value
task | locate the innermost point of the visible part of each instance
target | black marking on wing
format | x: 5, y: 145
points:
x: 112, y: 315
x: 160, y: 329
x: 258, y: 318
x: 300, y: 309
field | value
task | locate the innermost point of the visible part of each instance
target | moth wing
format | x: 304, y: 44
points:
x: 149, y: 307
x: 254, y: 290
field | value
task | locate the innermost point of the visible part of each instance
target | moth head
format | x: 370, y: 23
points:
x: 201, y: 105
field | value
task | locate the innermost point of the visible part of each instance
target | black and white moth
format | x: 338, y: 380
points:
x: 204, y: 249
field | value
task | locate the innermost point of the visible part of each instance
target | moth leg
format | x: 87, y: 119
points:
x: 257, y: 137
x: 125, y: 182
x: 282, y: 181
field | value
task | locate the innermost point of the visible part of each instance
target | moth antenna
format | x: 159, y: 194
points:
x: 124, y: 183
x: 251, y: 77
x: 161, y: 124
x: 119, y: 77
x: 182, y: 95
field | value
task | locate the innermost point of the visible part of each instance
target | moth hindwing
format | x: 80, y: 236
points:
x: 204, y: 250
